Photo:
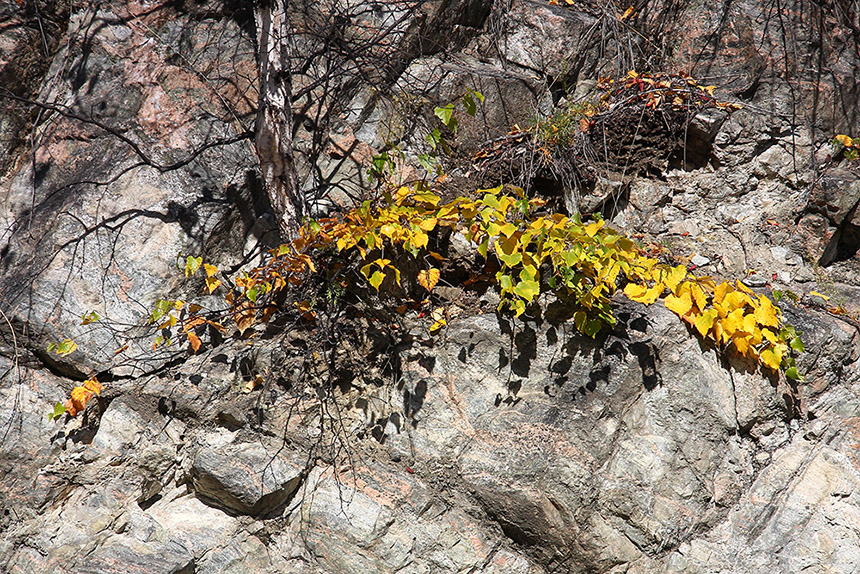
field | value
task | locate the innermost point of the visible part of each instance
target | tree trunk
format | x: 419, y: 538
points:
x: 274, y: 139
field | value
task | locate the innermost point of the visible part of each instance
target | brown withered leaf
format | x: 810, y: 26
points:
x: 244, y: 317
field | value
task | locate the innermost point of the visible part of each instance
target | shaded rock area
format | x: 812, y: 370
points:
x: 498, y: 446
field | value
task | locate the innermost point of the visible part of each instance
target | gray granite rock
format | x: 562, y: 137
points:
x: 502, y: 446
x: 244, y: 478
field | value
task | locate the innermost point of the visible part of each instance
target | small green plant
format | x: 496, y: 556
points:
x: 384, y: 164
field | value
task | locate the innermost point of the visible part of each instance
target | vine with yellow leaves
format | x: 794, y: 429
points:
x: 535, y: 254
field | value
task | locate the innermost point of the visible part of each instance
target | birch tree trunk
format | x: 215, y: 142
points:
x: 274, y: 117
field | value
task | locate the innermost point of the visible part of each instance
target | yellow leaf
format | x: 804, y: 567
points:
x: 766, y: 313
x: 699, y: 296
x: 817, y: 294
x: 643, y: 294
x: 66, y: 347
x: 679, y: 305
x: 732, y: 323
x: 844, y: 140
x: 750, y: 323
x: 719, y: 333
x: 438, y: 315
x: 376, y: 279
x: 706, y: 283
x: 420, y: 239
x: 192, y: 264
x: 675, y: 276
x: 627, y: 13
x: 772, y: 357
x: 527, y: 289
x: 210, y: 269
x: 212, y: 283
x: 635, y: 291
x: 741, y: 344
x: 593, y: 228
x: 252, y: 384
x: 770, y: 335
x: 743, y: 287
x: 78, y: 400
x: 735, y: 300
x: 721, y: 290
x: 428, y: 278
x: 428, y: 224
x: 705, y: 321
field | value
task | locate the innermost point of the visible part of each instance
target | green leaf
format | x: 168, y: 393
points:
x: 52, y: 347
x: 444, y: 113
x: 66, y: 347
x: 593, y: 328
x: 376, y: 279
x: 91, y: 317
x: 434, y: 137
x: 528, y: 290
x: 469, y: 104
x: 427, y: 161
x: 797, y: 345
x: 59, y: 410
x: 161, y: 307
x: 452, y: 125
x: 252, y: 294
x: 792, y: 373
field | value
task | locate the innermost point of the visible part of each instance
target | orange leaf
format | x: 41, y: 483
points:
x: 194, y: 322
x: 584, y: 124
x: 194, y: 340
x: 78, y: 400
x: 428, y: 278
x: 252, y: 384
x: 221, y: 328
x: 93, y: 385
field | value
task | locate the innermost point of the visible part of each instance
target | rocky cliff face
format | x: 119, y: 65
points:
x: 502, y: 446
